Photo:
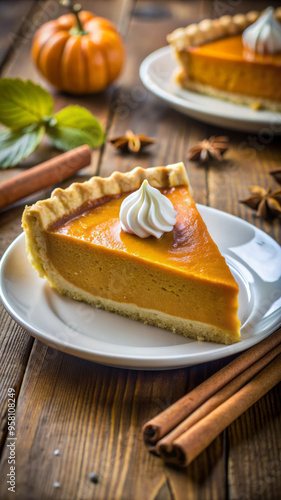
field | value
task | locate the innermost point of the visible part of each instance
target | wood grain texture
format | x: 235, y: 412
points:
x: 93, y: 414
x: 15, y: 343
x: 250, y: 443
x: 137, y: 109
x: 244, y: 166
x: 14, y: 353
x: 12, y: 21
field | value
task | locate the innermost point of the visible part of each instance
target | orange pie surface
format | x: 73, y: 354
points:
x: 232, y: 49
x: 128, y: 269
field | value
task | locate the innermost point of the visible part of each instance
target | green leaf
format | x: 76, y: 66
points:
x: 74, y: 127
x: 18, y: 145
x: 23, y: 103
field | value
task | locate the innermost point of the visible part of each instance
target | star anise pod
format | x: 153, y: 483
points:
x: 276, y: 174
x: 266, y: 202
x: 131, y: 142
x: 214, y: 147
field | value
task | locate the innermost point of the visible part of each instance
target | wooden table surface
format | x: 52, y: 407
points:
x: 92, y: 413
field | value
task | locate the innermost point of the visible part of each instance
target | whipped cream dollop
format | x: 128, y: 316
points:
x: 263, y: 36
x: 147, y: 212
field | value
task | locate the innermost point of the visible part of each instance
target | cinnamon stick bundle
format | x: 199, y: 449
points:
x: 46, y: 174
x: 165, y: 445
x: 213, y: 405
x: 195, y: 440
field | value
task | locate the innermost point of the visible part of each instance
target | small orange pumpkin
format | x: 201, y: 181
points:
x: 80, y: 54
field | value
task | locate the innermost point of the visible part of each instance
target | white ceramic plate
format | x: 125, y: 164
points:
x: 76, y: 328
x: 156, y: 73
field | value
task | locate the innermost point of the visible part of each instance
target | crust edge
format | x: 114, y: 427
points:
x: 64, y: 201
x: 39, y: 216
x: 212, y: 29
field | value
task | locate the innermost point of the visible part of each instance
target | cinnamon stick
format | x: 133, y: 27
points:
x: 46, y: 174
x: 165, y: 445
x: 195, y: 440
x: 163, y: 423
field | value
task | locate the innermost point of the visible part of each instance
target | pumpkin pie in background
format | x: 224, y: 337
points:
x: 79, y: 52
x: 233, y: 58
x: 135, y: 244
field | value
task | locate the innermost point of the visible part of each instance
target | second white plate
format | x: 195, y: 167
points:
x: 156, y: 73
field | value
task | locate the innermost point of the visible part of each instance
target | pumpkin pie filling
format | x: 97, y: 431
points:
x: 128, y: 269
x: 226, y: 65
x: 180, y: 281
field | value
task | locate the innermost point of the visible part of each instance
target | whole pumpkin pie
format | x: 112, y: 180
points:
x: 177, y: 280
x: 233, y: 58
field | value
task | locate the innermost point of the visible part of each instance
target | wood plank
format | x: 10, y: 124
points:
x: 15, y: 343
x: 93, y: 415
x: 244, y: 166
x: 12, y: 19
x: 252, y: 443
x: 137, y: 109
x: 14, y: 353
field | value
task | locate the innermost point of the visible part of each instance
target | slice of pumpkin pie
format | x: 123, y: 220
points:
x: 236, y: 58
x: 135, y: 244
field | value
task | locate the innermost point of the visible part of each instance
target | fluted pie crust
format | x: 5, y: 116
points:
x: 211, y: 30
x: 180, y: 282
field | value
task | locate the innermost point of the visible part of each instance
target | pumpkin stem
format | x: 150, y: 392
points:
x: 75, y: 9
